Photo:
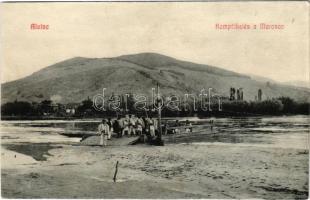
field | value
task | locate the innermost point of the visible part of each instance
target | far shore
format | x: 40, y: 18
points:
x: 11, y: 118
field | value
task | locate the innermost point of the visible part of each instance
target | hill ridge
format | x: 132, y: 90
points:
x: 77, y: 78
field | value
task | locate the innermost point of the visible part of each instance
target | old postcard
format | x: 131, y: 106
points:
x: 155, y: 100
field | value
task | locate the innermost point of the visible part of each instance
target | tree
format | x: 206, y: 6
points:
x: 86, y: 106
x: 46, y: 106
x: 289, y: 105
x: 17, y: 108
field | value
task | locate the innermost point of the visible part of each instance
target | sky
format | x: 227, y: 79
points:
x: 185, y: 31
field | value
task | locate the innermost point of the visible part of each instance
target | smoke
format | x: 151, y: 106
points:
x: 56, y: 98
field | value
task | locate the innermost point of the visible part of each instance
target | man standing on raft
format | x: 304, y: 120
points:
x: 104, y: 131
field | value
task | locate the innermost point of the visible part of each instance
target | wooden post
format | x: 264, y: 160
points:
x: 115, y: 173
x: 159, y: 138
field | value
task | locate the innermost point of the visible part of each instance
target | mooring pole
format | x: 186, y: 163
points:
x: 159, y: 118
x: 115, y: 173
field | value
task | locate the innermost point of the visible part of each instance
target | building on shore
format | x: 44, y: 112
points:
x: 240, y: 94
x: 259, y: 95
x: 232, y: 94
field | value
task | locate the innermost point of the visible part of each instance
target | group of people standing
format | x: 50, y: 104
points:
x: 138, y: 126
x: 129, y: 125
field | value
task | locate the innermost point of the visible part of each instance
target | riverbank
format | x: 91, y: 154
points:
x: 213, y: 170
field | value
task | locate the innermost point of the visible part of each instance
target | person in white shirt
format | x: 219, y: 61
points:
x: 110, y: 123
x: 103, y: 130
x: 125, y: 127
x: 139, y: 125
x: 189, y: 127
x: 152, y: 127
x: 132, y: 124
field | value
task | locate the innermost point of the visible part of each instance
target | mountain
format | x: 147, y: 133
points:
x: 75, y: 79
x: 303, y: 84
x: 261, y: 78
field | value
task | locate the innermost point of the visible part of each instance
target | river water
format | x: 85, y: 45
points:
x: 277, y: 132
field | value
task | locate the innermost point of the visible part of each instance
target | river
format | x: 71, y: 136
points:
x: 282, y: 132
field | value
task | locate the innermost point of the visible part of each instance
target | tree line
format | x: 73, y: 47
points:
x: 276, y: 106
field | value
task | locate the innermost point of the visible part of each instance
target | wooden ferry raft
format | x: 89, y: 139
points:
x: 123, y: 141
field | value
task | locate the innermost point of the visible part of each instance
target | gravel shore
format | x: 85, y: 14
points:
x: 206, y: 170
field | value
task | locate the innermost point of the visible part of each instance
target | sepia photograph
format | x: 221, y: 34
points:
x: 155, y: 100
